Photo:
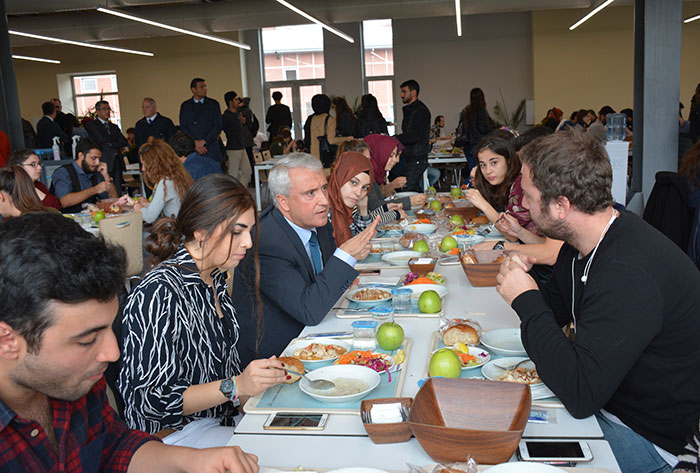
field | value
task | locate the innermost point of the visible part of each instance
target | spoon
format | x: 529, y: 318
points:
x: 513, y: 365
x: 317, y: 384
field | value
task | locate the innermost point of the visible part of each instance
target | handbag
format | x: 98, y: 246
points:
x: 326, y: 150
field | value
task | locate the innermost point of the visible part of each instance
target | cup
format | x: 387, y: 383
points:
x: 401, y: 299
x: 364, y: 335
x: 382, y: 314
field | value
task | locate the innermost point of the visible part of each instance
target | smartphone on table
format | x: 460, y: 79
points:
x: 289, y: 421
x: 554, y: 451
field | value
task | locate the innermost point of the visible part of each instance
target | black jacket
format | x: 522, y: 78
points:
x: 415, y: 131
x: 278, y: 115
x: 160, y: 127
x: 46, y: 129
x: 668, y: 209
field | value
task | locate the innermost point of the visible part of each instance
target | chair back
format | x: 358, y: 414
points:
x: 266, y: 154
x: 48, y: 167
x: 259, y: 158
x: 126, y: 230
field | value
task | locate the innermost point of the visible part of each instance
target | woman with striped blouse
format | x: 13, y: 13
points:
x: 179, y: 359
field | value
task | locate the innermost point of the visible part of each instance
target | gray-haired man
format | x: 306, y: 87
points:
x: 302, y: 273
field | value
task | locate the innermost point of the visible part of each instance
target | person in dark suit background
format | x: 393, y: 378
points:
x: 415, y: 136
x: 278, y: 115
x: 302, y: 273
x: 65, y: 120
x: 109, y: 137
x: 47, y: 127
x: 200, y: 117
x: 152, y: 124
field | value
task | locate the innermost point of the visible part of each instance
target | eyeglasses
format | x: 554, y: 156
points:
x: 35, y: 164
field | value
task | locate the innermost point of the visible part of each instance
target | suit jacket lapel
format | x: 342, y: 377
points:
x: 294, y: 238
x: 326, y: 242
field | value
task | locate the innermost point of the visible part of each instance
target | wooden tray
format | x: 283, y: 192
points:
x: 289, y: 398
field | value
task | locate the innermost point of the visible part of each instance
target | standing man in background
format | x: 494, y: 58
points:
x: 238, y: 165
x: 153, y: 124
x: 200, y: 117
x: 109, y: 137
x: 415, y: 136
x: 47, y: 127
x: 278, y: 115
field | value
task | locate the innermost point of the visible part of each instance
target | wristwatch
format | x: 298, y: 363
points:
x: 499, y: 246
x: 226, y: 387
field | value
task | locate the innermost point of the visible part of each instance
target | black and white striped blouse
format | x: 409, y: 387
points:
x: 360, y: 222
x: 172, y: 338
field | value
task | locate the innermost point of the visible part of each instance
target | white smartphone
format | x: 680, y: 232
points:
x: 285, y: 421
x: 554, y: 451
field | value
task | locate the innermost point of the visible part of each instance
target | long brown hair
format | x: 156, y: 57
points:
x: 341, y: 105
x: 161, y: 162
x: 17, y: 183
x: 497, y: 195
x: 690, y: 166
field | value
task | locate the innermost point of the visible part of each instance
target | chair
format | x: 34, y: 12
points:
x: 48, y: 167
x: 127, y: 231
x: 266, y: 154
x: 130, y: 180
x: 259, y: 158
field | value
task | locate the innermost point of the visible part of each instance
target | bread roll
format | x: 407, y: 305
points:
x: 480, y: 219
x: 460, y: 333
x: 468, y: 258
x: 293, y: 364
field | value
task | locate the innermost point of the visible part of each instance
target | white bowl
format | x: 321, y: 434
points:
x: 469, y: 239
x: 400, y: 258
x: 504, y: 342
x: 523, y: 467
x: 315, y: 364
x: 419, y: 289
x: 351, y: 293
x: 331, y: 373
x: 401, y: 195
x: 422, y: 228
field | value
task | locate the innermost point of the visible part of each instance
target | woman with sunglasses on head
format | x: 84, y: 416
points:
x: 31, y: 164
x: 348, y: 186
x: 162, y: 171
x: 179, y: 358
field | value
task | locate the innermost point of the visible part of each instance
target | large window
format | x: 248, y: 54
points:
x: 88, y: 89
x: 377, y: 40
x: 293, y: 65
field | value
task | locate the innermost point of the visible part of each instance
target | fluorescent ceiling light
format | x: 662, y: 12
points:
x: 37, y: 59
x: 77, y: 43
x: 317, y: 21
x: 692, y: 18
x: 120, y: 14
x: 593, y: 12
x: 458, y: 14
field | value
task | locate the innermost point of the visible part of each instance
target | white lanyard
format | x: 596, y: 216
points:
x: 587, y: 268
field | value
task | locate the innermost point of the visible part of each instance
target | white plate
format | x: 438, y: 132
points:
x: 422, y: 228
x: 523, y: 467
x: 492, y: 372
x: 504, y: 342
x: 400, y: 258
x: 469, y: 239
x: 332, y: 373
x: 351, y: 293
x: 419, y: 289
x: 314, y: 364
x: 401, y: 195
x: 482, y: 355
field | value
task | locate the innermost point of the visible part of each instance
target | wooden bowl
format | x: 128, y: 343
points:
x: 387, y: 433
x: 483, y: 272
x: 467, y: 213
x: 456, y: 418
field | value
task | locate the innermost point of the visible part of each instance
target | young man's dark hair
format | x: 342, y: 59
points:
x: 531, y: 135
x: 195, y: 81
x: 182, y: 144
x: 605, y: 110
x: 277, y: 95
x: 46, y: 257
x: 412, y: 85
x: 229, y: 96
x: 437, y: 119
x: 48, y: 108
x: 100, y: 103
x: 572, y: 164
x: 85, y: 145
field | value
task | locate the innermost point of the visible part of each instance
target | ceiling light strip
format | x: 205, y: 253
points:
x: 36, y: 59
x: 692, y: 18
x: 458, y: 14
x: 317, y: 21
x: 593, y: 12
x: 77, y: 43
x: 127, y: 16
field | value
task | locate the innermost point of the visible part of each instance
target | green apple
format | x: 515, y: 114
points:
x: 435, y: 205
x: 448, y: 243
x: 457, y: 220
x: 421, y: 246
x: 445, y: 362
x: 432, y: 190
x: 99, y: 215
x: 429, y: 302
x: 456, y: 192
x: 390, y: 336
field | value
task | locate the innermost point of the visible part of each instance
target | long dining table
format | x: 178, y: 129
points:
x: 344, y: 442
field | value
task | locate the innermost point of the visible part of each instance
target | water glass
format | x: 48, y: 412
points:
x: 401, y: 299
x: 364, y: 335
x: 382, y: 314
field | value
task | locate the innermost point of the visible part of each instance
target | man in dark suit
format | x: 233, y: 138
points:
x: 47, y: 127
x: 278, y: 115
x: 153, y: 124
x: 302, y: 273
x: 200, y: 117
x: 109, y: 137
x: 415, y: 136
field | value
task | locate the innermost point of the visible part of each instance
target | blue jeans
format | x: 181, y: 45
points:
x: 634, y: 453
x: 433, y: 176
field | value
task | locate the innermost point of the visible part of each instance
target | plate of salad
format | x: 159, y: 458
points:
x: 470, y: 357
x: 379, y: 362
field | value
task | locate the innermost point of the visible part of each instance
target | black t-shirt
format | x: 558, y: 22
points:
x: 233, y: 127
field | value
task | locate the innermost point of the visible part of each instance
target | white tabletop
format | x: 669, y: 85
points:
x: 344, y: 436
